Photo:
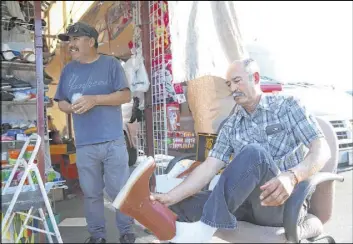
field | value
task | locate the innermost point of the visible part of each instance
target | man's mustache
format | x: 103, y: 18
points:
x: 237, y: 94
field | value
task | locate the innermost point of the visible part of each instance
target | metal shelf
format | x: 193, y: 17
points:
x: 11, y: 103
x: 19, y: 65
x: 19, y: 141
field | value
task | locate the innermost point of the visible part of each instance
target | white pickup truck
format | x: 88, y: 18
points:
x: 326, y: 102
x: 332, y: 105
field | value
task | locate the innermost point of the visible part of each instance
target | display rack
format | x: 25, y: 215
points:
x: 158, y: 85
x: 166, y: 96
x: 20, y: 196
x: 141, y: 131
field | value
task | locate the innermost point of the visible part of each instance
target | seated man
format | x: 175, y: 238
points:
x: 266, y: 134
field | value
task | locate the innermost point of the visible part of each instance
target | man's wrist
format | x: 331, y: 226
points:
x: 294, y: 176
x: 96, y: 99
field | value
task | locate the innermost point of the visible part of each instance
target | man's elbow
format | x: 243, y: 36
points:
x: 127, y: 96
x: 63, y: 107
x: 325, y: 150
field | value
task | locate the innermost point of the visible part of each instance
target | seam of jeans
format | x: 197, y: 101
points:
x: 246, y: 173
x: 220, y: 226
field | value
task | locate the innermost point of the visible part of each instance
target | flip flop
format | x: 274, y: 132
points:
x: 28, y: 55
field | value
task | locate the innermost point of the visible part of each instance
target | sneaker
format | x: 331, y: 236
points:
x: 95, y: 240
x: 127, y: 238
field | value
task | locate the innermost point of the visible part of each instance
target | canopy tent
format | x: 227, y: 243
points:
x: 205, y: 38
x: 113, y: 41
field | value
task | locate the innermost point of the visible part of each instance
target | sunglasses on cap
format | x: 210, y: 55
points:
x: 75, y: 29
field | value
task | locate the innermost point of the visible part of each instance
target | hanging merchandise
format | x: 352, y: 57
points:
x: 173, y: 116
x: 136, y: 112
x: 14, y: 9
x: 141, y: 82
x: 136, y: 72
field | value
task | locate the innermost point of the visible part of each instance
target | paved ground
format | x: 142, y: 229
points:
x: 340, y: 226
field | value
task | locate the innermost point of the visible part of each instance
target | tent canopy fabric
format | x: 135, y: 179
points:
x: 205, y: 38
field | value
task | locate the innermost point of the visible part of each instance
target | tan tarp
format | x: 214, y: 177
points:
x: 210, y: 103
x: 96, y: 16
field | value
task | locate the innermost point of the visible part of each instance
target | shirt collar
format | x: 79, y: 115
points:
x: 264, y: 104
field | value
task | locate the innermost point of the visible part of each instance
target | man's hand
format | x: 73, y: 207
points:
x: 162, y: 198
x: 83, y: 104
x: 277, y: 190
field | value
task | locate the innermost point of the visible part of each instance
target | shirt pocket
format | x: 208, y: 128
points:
x: 279, y: 144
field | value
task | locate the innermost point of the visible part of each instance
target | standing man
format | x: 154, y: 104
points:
x: 92, y: 88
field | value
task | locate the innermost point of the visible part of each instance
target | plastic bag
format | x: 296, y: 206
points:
x: 140, y: 82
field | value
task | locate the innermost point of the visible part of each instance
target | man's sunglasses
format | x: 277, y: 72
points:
x: 75, y: 29
x: 72, y: 28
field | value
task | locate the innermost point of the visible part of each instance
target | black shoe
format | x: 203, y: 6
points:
x: 95, y: 240
x: 127, y: 238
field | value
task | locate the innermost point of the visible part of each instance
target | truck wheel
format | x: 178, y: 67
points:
x: 131, y: 151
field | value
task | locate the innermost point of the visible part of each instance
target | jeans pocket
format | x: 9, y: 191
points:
x: 119, y: 143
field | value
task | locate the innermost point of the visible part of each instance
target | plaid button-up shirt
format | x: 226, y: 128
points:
x: 281, y: 125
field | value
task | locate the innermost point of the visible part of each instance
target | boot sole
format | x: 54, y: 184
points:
x: 134, y: 177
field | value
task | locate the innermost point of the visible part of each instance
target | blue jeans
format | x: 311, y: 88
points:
x: 103, y: 165
x: 236, y: 195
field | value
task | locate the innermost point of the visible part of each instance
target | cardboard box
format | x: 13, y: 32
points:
x: 57, y: 194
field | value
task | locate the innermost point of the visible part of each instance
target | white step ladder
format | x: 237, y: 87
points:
x: 16, y: 200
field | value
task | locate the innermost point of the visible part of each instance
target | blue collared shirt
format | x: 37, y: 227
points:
x: 280, y: 124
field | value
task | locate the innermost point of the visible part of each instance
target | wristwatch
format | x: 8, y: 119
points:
x: 295, y: 180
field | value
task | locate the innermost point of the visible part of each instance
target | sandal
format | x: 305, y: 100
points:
x: 28, y: 55
x: 16, y: 83
x: 6, y: 96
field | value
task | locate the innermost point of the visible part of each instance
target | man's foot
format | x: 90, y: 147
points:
x: 95, y: 240
x: 134, y: 201
x: 197, y: 232
x: 127, y: 238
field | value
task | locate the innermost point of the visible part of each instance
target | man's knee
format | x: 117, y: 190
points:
x: 90, y: 189
x: 252, y: 154
x: 254, y: 148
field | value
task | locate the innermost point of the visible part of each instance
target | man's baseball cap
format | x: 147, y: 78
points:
x: 79, y: 29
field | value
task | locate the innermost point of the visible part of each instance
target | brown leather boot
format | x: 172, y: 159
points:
x: 134, y: 201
